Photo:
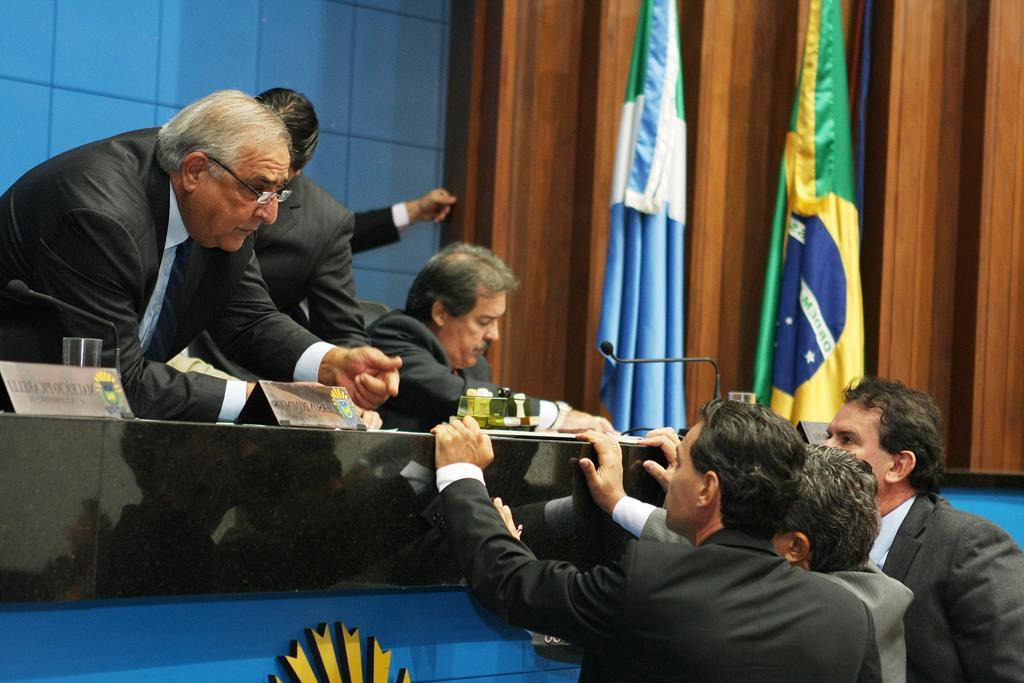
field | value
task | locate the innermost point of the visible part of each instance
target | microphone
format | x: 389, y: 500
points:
x: 608, y: 351
x: 19, y: 289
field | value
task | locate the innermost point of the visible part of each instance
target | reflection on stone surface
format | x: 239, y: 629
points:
x: 153, y: 508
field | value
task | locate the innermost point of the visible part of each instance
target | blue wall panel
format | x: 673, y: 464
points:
x: 207, y: 46
x: 1005, y: 508
x: 306, y: 45
x: 398, y: 65
x: 80, y: 117
x: 79, y: 70
x: 26, y: 34
x: 438, y: 635
x: 24, y: 128
x: 329, y: 166
x: 108, y: 47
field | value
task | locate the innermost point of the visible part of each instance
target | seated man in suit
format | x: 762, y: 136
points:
x: 450, y: 320
x: 723, y: 607
x: 305, y: 257
x: 154, y: 230
x: 966, y: 622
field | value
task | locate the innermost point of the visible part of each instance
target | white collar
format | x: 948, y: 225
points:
x: 176, y: 232
x: 887, y: 531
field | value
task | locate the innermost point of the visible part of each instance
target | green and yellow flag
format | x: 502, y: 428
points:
x: 811, y: 339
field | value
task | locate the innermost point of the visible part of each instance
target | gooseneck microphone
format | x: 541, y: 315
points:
x: 19, y: 289
x: 608, y: 351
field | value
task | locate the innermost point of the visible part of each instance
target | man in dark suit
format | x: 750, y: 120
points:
x: 450, y: 319
x: 966, y: 622
x: 829, y: 528
x: 725, y: 608
x: 153, y: 230
x: 305, y: 257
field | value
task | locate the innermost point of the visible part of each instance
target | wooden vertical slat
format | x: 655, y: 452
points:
x: 998, y: 419
x: 921, y: 198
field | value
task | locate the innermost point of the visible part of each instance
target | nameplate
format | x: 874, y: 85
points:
x: 300, y: 404
x: 42, y: 389
x: 814, y: 433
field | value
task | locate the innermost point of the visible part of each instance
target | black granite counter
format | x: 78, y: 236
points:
x: 109, y: 508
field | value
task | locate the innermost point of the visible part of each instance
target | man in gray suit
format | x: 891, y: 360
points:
x: 830, y: 528
x: 967, y: 619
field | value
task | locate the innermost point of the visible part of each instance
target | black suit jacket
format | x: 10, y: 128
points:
x: 374, y: 229
x: 88, y: 227
x: 430, y: 391
x: 305, y: 256
x: 966, y: 622
x: 728, y: 610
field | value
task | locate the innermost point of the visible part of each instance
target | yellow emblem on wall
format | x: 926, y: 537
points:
x: 329, y: 666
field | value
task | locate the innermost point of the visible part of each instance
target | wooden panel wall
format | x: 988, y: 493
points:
x: 534, y: 94
x: 998, y: 415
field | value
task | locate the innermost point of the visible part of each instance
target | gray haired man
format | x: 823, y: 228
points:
x: 153, y: 231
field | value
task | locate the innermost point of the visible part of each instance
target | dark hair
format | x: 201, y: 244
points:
x: 454, y: 276
x: 757, y: 456
x: 909, y: 421
x: 299, y: 118
x: 836, y: 508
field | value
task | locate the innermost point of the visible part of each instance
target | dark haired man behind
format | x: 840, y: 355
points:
x: 966, y: 622
x: 306, y: 256
x: 450, y: 319
x: 726, y: 608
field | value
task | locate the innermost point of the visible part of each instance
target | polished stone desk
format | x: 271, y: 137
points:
x: 95, y: 508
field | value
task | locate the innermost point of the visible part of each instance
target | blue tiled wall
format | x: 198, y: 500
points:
x: 78, y: 70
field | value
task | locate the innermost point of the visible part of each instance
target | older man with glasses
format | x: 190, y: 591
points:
x: 152, y: 230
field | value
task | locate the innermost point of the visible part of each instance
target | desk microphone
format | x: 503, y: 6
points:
x: 19, y: 289
x: 608, y: 351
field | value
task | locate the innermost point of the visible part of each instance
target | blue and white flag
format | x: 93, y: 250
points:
x: 642, y: 306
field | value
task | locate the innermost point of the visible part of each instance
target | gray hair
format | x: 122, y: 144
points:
x: 221, y: 125
x: 455, y: 276
x: 836, y: 508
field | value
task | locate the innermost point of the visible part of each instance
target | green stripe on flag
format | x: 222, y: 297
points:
x: 832, y: 148
x: 638, y: 62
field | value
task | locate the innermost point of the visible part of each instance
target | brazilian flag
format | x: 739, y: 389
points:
x: 811, y: 339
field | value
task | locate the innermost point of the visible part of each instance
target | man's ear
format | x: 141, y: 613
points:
x: 794, y: 547
x: 192, y: 166
x: 437, y: 314
x: 709, y: 490
x: 903, y: 464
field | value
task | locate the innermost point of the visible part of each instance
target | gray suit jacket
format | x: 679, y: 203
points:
x: 885, y: 598
x: 967, y: 619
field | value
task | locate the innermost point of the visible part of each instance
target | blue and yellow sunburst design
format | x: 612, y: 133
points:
x: 342, y: 402
x: 327, y: 665
x: 109, y: 390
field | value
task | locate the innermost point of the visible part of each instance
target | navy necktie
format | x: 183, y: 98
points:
x: 167, y: 323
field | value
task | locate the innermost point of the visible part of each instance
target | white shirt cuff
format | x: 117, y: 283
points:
x: 418, y: 476
x: 548, y: 414
x: 631, y: 514
x: 400, y: 215
x: 458, y: 470
x: 308, y: 367
x: 234, y: 400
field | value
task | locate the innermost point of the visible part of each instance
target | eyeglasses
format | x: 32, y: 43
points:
x: 261, y: 197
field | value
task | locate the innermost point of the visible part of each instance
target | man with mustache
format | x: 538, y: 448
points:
x: 450, y: 320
